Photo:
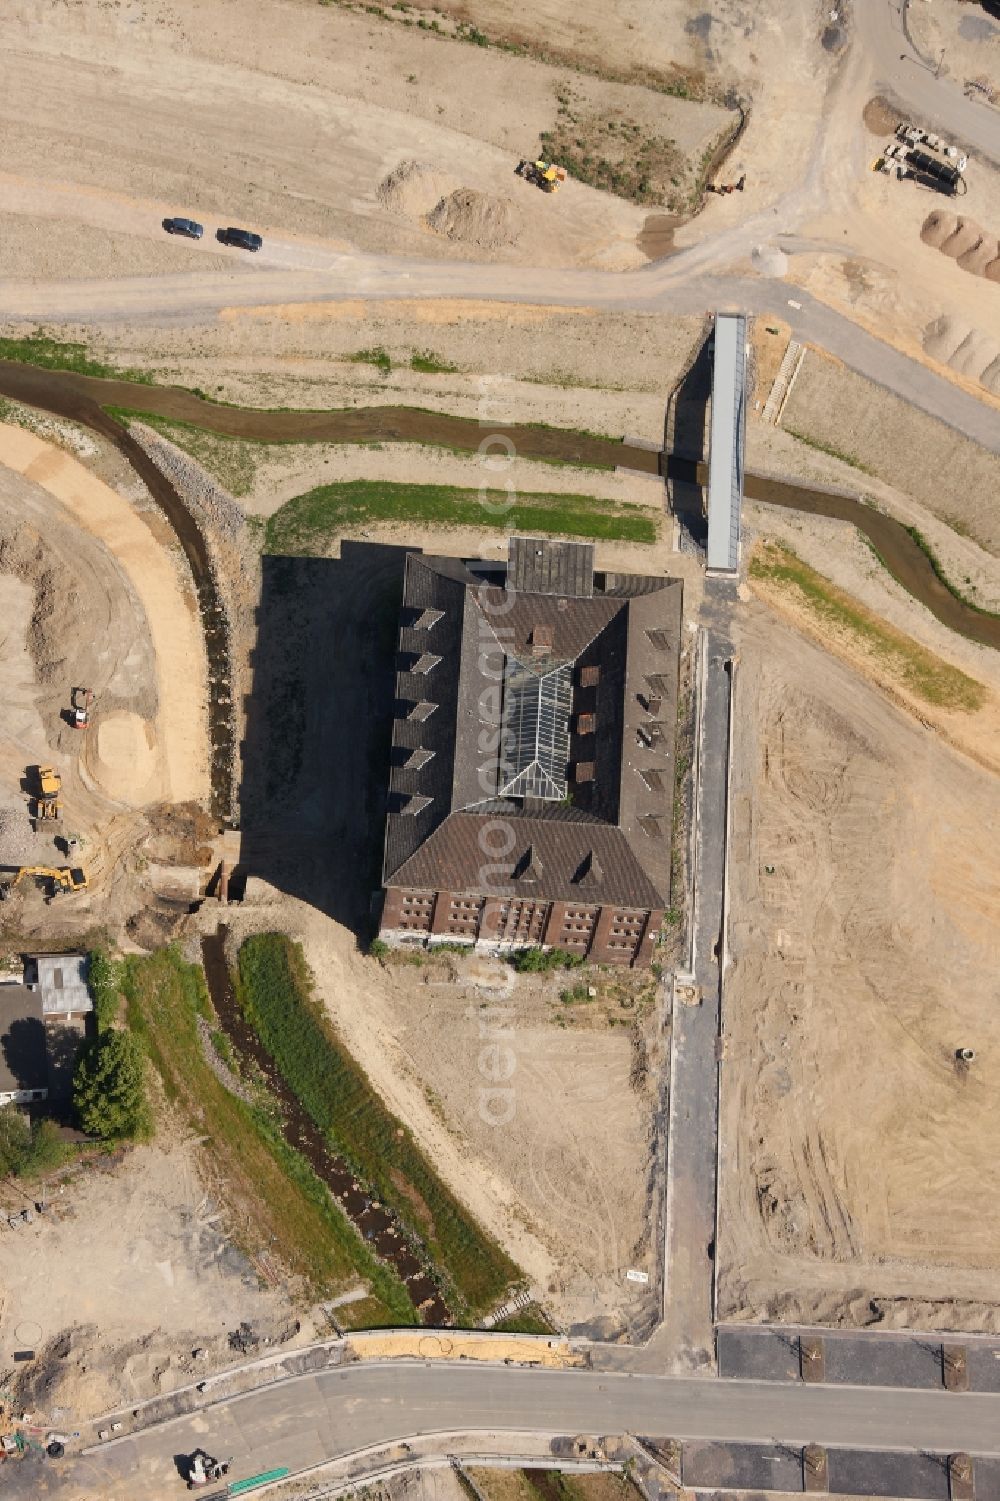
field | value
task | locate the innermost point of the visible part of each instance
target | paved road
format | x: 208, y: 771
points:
x: 904, y: 74
x: 685, y: 1340
x: 312, y: 1418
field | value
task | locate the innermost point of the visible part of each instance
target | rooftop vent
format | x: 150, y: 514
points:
x: 586, y: 724
x: 583, y: 771
x: 589, y: 872
x: 425, y: 663
x: 589, y: 676
x: 421, y: 711
x: 659, y: 639
x: 541, y: 640
x: 653, y: 703
x: 529, y: 867
x: 652, y: 778
x: 427, y: 618
x: 418, y: 758
x: 650, y: 825
x: 416, y: 804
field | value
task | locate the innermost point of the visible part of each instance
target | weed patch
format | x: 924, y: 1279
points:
x: 305, y: 525
x: 922, y: 673
x: 275, y: 990
x: 278, y: 1194
x: 54, y: 354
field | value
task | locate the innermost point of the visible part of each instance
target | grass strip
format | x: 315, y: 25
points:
x: 304, y: 525
x: 921, y: 672
x: 938, y: 566
x: 292, y: 1213
x: 831, y: 450
x: 276, y: 992
x: 53, y: 354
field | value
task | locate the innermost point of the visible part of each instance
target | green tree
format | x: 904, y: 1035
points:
x: 109, y: 1087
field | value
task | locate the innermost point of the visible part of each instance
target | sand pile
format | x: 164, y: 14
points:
x: 966, y: 236
x: 413, y: 188
x: 990, y: 378
x: 768, y: 260
x: 937, y: 228
x: 979, y: 257
x: 56, y: 613
x: 965, y: 349
x: 476, y: 219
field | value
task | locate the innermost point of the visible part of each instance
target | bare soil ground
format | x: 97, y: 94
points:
x: 865, y: 909
x: 127, y: 1274
x: 965, y: 38
x: 574, y: 367
x: 93, y: 599
x: 302, y: 113
x: 952, y: 477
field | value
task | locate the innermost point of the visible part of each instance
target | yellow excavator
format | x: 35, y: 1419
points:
x: 544, y: 175
x: 48, y: 808
x: 60, y: 879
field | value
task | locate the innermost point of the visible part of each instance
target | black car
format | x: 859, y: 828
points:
x: 188, y: 227
x: 243, y: 239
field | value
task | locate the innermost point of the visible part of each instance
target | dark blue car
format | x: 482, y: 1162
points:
x: 187, y: 227
x: 243, y: 239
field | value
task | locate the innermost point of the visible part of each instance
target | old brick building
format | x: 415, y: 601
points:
x: 532, y: 773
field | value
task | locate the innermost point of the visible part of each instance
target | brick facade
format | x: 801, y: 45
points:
x: 602, y: 934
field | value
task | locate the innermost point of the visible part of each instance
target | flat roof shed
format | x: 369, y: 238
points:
x: 62, y: 983
x: 725, y: 461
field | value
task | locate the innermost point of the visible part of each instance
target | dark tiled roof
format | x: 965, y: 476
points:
x: 537, y: 565
x: 562, y: 851
x: 614, y: 837
x: 23, y: 1061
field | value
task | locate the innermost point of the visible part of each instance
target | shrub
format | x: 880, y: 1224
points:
x: 27, y: 1151
x: 541, y: 961
x: 109, y: 1087
x: 103, y: 978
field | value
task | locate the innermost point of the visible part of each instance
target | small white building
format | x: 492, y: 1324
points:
x: 61, y: 982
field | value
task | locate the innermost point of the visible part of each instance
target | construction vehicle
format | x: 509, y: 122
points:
x: 729, y: 187
x: 202, y: 1468
x: 82, y: 700
x: 47, y: 805
x: 544, y: 175
x: 61, y: 879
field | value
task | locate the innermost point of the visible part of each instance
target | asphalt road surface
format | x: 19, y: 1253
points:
x: 308, y: 1419
x: 879, y: 27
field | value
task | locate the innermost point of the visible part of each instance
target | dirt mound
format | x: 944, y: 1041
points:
x: 990, y: 378
x: 979, y: 257
x: 943, y: 336
x: 938, y: 227
x: 476, y: 219
x: 769, y: 260
x: 880, y: 117
x: 966, y: 236
x: 413, y: 188
x: 56, y: 609
x: 967, y: 350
